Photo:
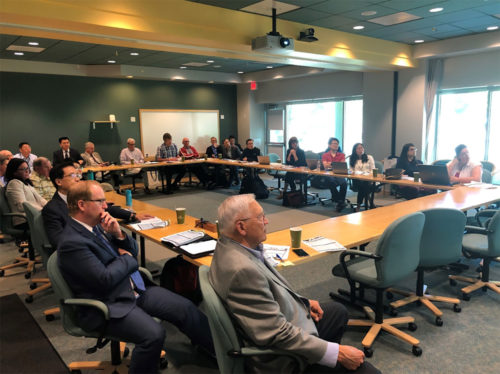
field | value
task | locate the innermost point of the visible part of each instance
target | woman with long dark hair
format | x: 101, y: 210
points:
x: 360, y: 162
x: 334, y: 154
x: 296, y: 157
x: 20, y: 189
x: 408, y: 162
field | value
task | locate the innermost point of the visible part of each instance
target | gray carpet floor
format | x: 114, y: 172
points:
x: 467, y: 342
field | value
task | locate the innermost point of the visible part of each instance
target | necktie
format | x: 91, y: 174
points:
x: 66, y: 154
x: 135, y: 276
x: 92, y: 155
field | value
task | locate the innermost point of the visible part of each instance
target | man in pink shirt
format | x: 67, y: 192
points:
x: 190, y: 153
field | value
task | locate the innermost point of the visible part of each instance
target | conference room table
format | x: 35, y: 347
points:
x: 350, y: 230
x: 272, y: 166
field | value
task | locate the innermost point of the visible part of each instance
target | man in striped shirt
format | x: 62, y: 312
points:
x: 168, y: 151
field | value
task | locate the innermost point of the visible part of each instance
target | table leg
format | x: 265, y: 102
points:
x: 142, y: 247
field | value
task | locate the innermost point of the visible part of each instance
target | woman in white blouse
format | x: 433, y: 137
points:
x: 20, y: 189
x: 359, y: 161
x: 461, y: 169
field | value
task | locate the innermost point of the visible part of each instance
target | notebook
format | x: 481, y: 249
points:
x: 263, y: 160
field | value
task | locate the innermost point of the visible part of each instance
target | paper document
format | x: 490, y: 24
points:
x: 148, y: 224
x: 184, y: 237
x: 276, y: 254
x: 322, y: 244
x: 480, y: 185
x: 195, y: 249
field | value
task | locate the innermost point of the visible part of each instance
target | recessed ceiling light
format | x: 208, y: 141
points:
x: 435, y: 10
x: 19, y: 53
x: 134, y: 54
x: 491, y: 28
x: 130, y: 76
x: 216, y: 66
x: 240, y: 72
x: 33, y: 43
x: 369, y: 13
x: 111, y: 62
x: 419, y: 41
x: 359, y: 27
x: 183, y: 67
x: 210, y: 81
x: 269, y: 67
x: 278, y: 76
x: 210, y: 61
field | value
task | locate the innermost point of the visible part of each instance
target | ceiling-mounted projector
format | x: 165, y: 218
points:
x: 273, y: 42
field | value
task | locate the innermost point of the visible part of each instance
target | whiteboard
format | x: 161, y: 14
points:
x: 198, y: 125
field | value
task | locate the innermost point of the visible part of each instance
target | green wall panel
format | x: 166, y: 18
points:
x: 41, y: 108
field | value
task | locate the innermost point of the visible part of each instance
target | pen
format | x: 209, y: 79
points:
x: 279, y: 257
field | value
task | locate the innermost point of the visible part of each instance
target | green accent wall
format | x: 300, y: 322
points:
x: 40, y: 108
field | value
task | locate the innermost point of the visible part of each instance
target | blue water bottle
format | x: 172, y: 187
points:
x: 128, y: 197
x: 90, y: 175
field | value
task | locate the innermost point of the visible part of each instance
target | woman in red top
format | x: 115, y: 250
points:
x: 334, y: 154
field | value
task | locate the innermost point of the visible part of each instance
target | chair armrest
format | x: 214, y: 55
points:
x: 146, y: 272
x: 14, y: 215
x: 476, y: 230
x: 254, y: 351
x: 89, y: 303
x: 485, y: 213
x: 353, y: 252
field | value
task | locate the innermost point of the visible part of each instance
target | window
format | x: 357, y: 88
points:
x: 464, y: 117
x: 314, y: 123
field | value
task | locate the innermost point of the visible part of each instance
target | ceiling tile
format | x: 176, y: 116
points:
x: 340, y: 6
x: 63, y: 50
x: 448, y: 7
x: 478, y: 24
x: 369, y: 27
x: 265, y: 7
x: 490, y: 8
x: 381, y: 11
x: 303, y: 3
x: 451, y: 34
x: 6, y: 40
x: 456, y: 16
x: 430, y: 31
x: 303, y: 15
x: 405, y: 5
x: 333, y: 21
x: 232, y: 4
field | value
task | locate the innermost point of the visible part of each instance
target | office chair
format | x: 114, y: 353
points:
x: 276, y: 174
x: 228, y: 346
x: 441, y: 244
x: 19, y: 236
x: 488, y: 165
x: 486, y: 176
x: 69, y: 317
x: 481, y: 242
x: 396, y: 257
x: 441, y: 162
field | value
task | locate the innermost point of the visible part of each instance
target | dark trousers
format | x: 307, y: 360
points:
x: 364, y: 189
x: 290, y: 178
x: 200, y: 173
x: 338, y: 195
x: 168, y: 172
x: 139, y: 327
x: 331, y: 328
x: 233, y: 175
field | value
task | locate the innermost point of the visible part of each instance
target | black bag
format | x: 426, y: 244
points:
x: 254, y: 185
x: 294, y: 199
x: 320, y: 182
x: 181, y: 276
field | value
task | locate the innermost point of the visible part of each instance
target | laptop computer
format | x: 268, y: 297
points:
x: 340, y: 168
x: 393, y: 173
x: 434, y: 174
x: 263, y: 160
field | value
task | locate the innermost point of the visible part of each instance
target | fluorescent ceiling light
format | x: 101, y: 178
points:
x: 240, y: 72
x: 111, y: 62
x: 33, y: 43
x: 369, y: 13
x: 435, y: 10
x: 130, y: 76
x: 24, y: 48
x: 269, y: 67
x: 210, y: 61
x: 394, y: 19
x: 216, y: 66
x: 196, y: 64
x: 210, y: 81
x: 491, y: 28
x: 134, y: 54
x: 419, y: 41
x: 358, y: 27
x: 183, y: 67
x: 19, y: 53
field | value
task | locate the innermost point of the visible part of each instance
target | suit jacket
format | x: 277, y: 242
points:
x: 58, y: 156
x: 89, y: 161
x: 266, y: 310
x: 92, y: 272
x: 210, y: 151
x: 235, y: 153
x: 17, y: 193
x: 55, y: 217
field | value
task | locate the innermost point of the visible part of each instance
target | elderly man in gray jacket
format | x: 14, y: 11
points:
x: 267, y: 311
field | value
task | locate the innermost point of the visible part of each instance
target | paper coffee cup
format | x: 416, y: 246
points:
x: 295, y: 236
x: 416, y: 177
x: 375, y: 173
x: 181, y: 215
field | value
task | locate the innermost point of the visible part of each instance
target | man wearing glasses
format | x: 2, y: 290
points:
x: 130, y: 156
x: 98, y: 261
x: 269, y: 313
x: 55, y: 212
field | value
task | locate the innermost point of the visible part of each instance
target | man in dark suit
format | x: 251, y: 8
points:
x: 98, y: 261
x: 66, y: 153
x: 55, y: 212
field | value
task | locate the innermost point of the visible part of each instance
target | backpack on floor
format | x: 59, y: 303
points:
x: 181, y: 276
x: 294, y: 199
x: 254, y: 185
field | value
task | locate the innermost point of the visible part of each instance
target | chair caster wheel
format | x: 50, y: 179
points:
x: 439, y: 321
x: 453, y: 282
x: 412, y: 326
x: 368, y: 351
x: 163, y: 363
x: 126, y: 352
x: 465, y: 297
x: 29, y: 299
x: 2, y: 273
x: 393, y: 312
x: 417, y: 351
x: 456, y: 308
x: 418, y: 302
x: 27, y: 275
x: 484, y: 288
x: 50, y: 317
x: 389, y: 295
x: 32, y: 286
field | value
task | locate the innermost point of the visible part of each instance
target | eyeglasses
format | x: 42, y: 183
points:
x: 73, y: 175
x: 23, y: 169
x: 131, y: 143
x: 413, y: 149
x: 260, y: 217
x: 100, y: 201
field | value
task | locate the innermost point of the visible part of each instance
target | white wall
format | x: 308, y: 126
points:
x: 251, y: 117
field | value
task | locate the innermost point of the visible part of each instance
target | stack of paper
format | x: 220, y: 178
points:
x: 182, y: 238
x: 322, y: 244
x: 200, y: 248
x: 148, y: 224
x: 274, y: 254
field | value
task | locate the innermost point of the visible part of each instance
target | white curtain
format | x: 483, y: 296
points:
x: 433, y: 80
